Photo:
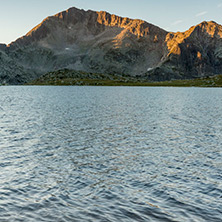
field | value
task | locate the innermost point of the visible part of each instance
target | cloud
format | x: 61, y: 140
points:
x: 177, y: 22
x: 201, y: 13
x: 219, y: 5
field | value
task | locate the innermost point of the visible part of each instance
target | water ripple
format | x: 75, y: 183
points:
x: 110, y: 154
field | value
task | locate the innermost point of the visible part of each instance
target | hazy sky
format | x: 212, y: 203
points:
x: 17, y: 17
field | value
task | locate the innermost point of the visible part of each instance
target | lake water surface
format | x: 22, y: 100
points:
x: 110, y: 154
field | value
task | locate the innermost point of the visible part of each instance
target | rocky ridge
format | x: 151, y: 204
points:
x: 100, y: 42
x: 191, y: 54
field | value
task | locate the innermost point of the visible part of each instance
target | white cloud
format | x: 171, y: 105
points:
x: 201, y: 13
x: 219, y: 5
x: 177, y: 22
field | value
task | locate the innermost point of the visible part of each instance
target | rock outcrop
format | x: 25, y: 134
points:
x: 100, y: 42
x: 191, y: 54
x: 2, y: 47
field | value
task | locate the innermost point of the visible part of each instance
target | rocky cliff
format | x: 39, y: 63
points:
x: 100, y: 42
x: 194, y: 53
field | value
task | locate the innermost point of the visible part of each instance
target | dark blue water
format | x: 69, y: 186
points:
x: 110, y: 154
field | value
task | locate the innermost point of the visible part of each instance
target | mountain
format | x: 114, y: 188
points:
x: 194, y: 53
x: 99, y: 42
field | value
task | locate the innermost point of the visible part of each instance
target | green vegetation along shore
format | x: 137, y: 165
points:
x: 71, y: 77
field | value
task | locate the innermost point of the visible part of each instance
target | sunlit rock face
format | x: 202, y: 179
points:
x: 100, y: 42
x: 194, y: 53
x: 89, y: 41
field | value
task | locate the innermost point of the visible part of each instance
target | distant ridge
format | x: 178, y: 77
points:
x: 100, y: 42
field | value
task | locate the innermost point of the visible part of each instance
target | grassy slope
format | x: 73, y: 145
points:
x: 69, y: 77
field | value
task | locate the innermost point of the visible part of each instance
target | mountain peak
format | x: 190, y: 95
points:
x: 97, y: 41
x: 207, y: 23
x: 210, y: 28
x: 73, y: 20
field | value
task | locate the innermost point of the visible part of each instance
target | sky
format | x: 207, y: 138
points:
x: 17, y: 17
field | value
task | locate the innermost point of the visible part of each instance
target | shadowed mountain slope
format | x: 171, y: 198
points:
x: 194, y: 53
x: 100, y: 42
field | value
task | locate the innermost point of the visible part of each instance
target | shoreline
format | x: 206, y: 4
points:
x: 72, y: 78
x: 206, y: 83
